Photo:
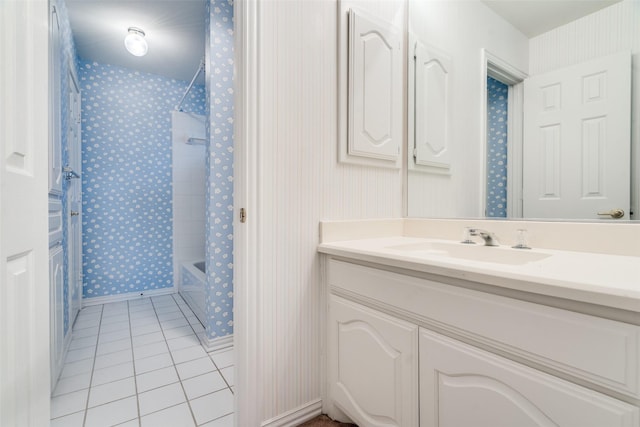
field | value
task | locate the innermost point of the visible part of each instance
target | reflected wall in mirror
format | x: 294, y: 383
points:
x: 498, y: 66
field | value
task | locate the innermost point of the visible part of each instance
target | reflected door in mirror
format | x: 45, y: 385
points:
x: 577, y: 140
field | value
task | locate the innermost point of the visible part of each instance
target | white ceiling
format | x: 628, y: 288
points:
x: 175, y: 29
x: 175, y: 32
x: 534, y: 17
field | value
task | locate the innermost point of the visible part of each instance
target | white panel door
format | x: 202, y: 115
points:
x: 461, y: 385
x: 74, y: 201
x: 577, y: 130
x: 24, y: 279
x: 372, y: 365
x: 432, y: 76
x: 375, y: 89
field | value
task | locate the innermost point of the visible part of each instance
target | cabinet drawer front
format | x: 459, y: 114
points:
x: 55, y: 222
x: 373, y: 365
x: 601, y: 351
x: 461, y: 385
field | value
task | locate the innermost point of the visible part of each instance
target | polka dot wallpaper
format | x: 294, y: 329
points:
x: 126, y: 177
x: 219, y: 220
x: 497, y: 94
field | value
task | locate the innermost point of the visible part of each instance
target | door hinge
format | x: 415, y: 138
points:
x: 243, y: 215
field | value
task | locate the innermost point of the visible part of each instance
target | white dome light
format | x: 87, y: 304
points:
x: 135, y: 42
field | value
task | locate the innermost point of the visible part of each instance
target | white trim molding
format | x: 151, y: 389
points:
x: 215, y: 344
x: 493, y: 66
x: 296, y: 416
x: 247, y: 169
x: 86, y: 302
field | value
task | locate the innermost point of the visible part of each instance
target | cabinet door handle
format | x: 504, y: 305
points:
x: 74, y: 213
x: 613, y: 213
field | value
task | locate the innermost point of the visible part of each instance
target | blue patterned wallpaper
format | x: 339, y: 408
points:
x: 219, y: 220
x: 126, y: 177
x: 497, y: 96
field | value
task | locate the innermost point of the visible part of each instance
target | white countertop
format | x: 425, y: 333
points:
x: 607, y: 280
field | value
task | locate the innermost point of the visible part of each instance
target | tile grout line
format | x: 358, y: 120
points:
x: 195, y: 422
x: 208, y: 354
x: 223, y: 378
x: 186, y: 317
x: 133, y: 363
x: 93, y: 366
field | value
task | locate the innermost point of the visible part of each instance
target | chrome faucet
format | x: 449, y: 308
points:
x: 489, y: 238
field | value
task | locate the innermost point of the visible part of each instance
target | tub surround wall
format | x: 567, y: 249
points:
x: 192, y: 289
x: 126, y: 178
x: 219, y: 166
x: 189, y: 183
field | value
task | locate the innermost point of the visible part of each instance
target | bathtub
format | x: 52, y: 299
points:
x: 192, y: 282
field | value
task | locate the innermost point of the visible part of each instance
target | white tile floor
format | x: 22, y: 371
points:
x: 140, y: 363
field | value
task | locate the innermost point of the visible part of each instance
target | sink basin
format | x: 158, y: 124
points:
x: 494, y: 254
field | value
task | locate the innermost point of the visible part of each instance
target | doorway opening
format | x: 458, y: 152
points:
x: 502, y: 118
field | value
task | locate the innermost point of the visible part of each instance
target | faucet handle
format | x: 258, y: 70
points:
x: 521, y: 239
x: 466, y: 236
x: 489, y: 238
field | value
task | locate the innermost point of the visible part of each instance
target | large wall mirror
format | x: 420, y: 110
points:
x: 524, y: 109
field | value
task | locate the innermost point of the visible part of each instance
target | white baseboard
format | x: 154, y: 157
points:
x: 297, y: 416
x: 215, y: 344
x: 86, y: 302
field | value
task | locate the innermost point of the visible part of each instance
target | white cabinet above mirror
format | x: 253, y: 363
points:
x: 484, y: 176
x: 370, y: 96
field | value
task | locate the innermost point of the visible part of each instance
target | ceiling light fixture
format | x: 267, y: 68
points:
x: 135, y: 42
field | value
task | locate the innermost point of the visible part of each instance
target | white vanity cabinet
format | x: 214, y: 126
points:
x: 374, y: 365
x: 481, y: 358
x: 461, y: 385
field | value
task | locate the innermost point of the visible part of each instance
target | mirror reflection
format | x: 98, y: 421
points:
x: 523, y: 109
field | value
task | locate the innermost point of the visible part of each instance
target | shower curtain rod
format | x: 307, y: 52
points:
x: 200, y: 67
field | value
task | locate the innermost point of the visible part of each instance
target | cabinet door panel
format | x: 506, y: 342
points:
x: 56, y: 283
x: 375, y: 89
x: 373, y: 365
x: 462, y: 386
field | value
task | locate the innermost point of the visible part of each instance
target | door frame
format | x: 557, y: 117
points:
x: 493, y: 66
x: 247, y: 262
x: 74, y: 241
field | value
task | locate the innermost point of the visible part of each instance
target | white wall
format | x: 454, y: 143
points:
x: 188, y: 167
x: 610, y: 30
x: 461, y: 29
x: 298, y: 183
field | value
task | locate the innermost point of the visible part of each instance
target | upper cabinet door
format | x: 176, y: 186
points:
x: 432, y: 71
x: 375, y: 89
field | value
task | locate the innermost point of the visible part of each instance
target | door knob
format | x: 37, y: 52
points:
x: 613, y: 213
x: 74, y: 213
